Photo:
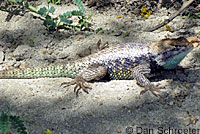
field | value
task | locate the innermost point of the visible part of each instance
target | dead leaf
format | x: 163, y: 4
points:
x: 195, y: 41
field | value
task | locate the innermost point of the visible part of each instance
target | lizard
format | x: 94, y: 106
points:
x: 124, y: 61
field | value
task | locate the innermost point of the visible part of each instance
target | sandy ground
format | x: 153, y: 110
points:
x: 111, y: 106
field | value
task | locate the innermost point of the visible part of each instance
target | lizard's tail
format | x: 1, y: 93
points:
x: 40, y: 72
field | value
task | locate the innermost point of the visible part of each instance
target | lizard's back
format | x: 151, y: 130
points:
x: 119, y: 60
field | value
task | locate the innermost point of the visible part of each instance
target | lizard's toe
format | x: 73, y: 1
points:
x: 79, y: 84
x: 153, y: 90
x: 65, y: 84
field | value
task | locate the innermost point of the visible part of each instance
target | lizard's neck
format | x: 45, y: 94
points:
x: 168, y: 59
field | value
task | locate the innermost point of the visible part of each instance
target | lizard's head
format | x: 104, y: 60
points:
x: 170, y: 52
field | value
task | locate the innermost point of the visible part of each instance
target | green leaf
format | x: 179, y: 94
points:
x: 53, y: 1
x: 126, y: 34
x: 18, y: 1
x: 4, y: 125
x: 65, y: 20
x: 197, y: 16
x: 77, y: 28
x: 99, y: 29
x: 69, y: 27
x: 77, y: 13
x: 86, y: 24
x: 17, y: 124
x: 82, y: 22
x: 57, y: 2
x: 52, y: 9
x: 72, y: 13
x: 80, y: 5
x: 90, y: 17
x: 31, y: 41
x: 48, y: 1
x: 43, y: 11
x: 67, y: 14
x: 50, y: 24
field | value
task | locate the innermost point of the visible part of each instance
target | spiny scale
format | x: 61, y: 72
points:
x: 119, y: 61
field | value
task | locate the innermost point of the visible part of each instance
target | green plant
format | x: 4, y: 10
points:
x: 62, y: 21
x: 100, y: 30
x: 11, y: 121
x: 194, y: 16
x: 54, y: 1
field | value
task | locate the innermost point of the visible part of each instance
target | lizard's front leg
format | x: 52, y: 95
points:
x: 93, y: 72
x: 138, y: 73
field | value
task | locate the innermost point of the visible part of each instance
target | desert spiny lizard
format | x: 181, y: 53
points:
x: 125, y: 61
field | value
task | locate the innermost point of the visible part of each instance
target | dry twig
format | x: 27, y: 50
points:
x: 185, y: 5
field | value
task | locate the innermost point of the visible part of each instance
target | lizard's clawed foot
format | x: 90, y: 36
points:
x: 79, y: 83
x: 153, y: 89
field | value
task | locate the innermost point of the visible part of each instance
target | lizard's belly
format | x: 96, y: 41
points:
x: 121, y: 74
x: 121, y: 69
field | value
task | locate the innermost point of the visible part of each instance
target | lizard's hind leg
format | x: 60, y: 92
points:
x: 94, y: 72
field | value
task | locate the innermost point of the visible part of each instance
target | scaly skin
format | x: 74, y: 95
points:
x: 126, y: 61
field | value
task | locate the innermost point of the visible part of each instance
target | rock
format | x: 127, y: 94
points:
x: 49, y: 58
x: 2, y: 56
x: 22, y: 52
x: 11, y: 62
x: 62, y: 55
x: 17, y: 64
x: 65, y: 53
